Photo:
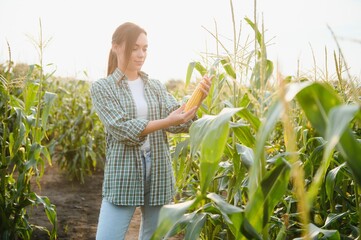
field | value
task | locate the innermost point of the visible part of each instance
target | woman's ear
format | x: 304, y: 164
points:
x: 114, y: 47
x: 118, y: 49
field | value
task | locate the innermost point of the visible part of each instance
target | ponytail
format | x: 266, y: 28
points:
x: 112, y: 62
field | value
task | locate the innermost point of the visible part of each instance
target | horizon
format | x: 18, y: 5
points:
x: 298, y: 33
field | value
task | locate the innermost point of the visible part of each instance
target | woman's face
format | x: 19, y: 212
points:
x: 137, y: 57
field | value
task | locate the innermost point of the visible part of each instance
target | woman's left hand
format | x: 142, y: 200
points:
x: 206, y: 84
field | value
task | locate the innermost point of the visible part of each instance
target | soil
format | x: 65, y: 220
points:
x: 77, y: 207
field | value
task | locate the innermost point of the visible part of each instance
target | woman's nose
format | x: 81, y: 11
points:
x: 141, y: 53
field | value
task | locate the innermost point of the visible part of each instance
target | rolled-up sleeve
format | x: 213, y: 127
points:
x: 115, y: 119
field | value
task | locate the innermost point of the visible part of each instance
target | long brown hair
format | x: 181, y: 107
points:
x: 128, y: 34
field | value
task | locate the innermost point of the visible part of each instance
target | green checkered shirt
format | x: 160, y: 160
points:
x: 123, y: 173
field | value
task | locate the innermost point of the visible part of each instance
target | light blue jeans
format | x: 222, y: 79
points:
x: 114, y: 220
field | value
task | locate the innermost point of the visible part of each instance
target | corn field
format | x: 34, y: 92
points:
x: 270, y: 156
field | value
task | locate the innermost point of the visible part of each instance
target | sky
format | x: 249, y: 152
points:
x: 80, y: 31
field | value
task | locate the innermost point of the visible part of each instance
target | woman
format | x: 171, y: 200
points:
x: 136, y: 111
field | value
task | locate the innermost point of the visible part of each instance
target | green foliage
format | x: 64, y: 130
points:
x: 44, y: 118
x: 203, y: 132
x: 265, y: 160
x: 25, y: 109
x: 76, y: 134
x: 283, y: 164
x: 268, y: 193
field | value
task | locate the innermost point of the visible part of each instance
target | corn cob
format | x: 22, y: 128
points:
x: 195, y: 99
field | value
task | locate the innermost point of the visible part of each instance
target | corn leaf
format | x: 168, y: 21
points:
x: 319, y: 233
x: 49, y: 99
x: 169, y: 217
x: 50, y: 210
x: 256, y: 73
x: 246, y: 154
x: 255, y: 29
x: 232, y: 215
x: 338, y: 121
x: 30, y: 95
x: 189, y: 73
x: 195, y: 226
x: 256, y: 171
x: 228, y: 67
x: 332, y: 217
x: 191, y: 66
x: 331, y: 179
x: 244, y: 134
x: 250, y: 118
x: 18, y: 134
x: 209, y: 135
x: 317, y: 100
x: 272, y: 188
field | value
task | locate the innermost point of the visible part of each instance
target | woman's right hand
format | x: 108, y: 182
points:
x: 178, y: 116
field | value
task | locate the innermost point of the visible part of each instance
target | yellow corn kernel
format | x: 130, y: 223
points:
x: 195, y: 99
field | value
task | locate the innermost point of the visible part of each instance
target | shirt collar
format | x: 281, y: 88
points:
x: 118, y: 76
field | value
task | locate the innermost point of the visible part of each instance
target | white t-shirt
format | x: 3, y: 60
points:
x: 137, y: 88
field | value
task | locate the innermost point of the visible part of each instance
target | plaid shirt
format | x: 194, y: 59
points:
x: 123, y: 173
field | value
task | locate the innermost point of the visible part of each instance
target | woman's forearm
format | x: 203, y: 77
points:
x: 175, y: 118
x: 156, y: 125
